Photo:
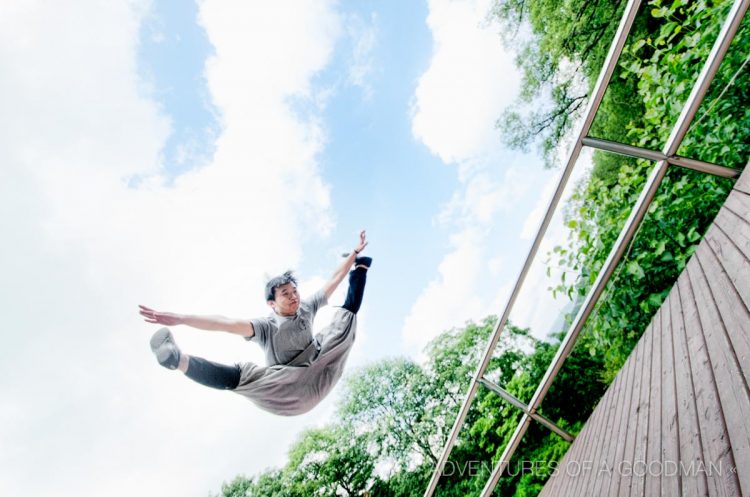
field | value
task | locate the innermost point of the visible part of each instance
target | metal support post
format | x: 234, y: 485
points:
x: 516, y: 402
x: 642, y: 153
x: 689, y: 110
x: 597, y: 95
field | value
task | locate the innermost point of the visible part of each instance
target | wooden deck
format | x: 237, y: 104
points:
x: 676, y: 420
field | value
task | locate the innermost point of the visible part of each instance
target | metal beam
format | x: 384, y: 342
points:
x: 600, y: 87
x: 643, y: 153
x: 728, y: 30
x: 705, y: 167
x: 587, y: 307
x: 631, y: 225
x: 516, y: 402
x: 623, y: 149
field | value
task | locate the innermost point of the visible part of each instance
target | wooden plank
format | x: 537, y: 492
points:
x: 739, y: 203
x: 556, y: 483
x: 653, y: 453
x: 638, y: 478
x: 570, y: 466
x: 691, y: 448
x: 723, y: 241
x: 716, y: 449
x: 623, y: 478
x: 617, y: 445
x: 554, y: 479
x: 718, y: 311
x: 686, y: 401
x: 563, y: 479
x: 603, y: 434
x: 580, y: 473
x: 734, y: 281
x: 609, y: 410
x: 743, y: 182
x: 559, y: 481
x: 561, y: 484
x: 670, y: 432
x: 733, y: 219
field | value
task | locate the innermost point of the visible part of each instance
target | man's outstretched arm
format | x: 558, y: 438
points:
x: 343, y: 269
x: 242, y: 327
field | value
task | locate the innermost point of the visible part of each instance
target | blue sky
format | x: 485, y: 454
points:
x: 381, y: 177
x: 172, y: 52
x: 371, y: 160
x: 195, y: 148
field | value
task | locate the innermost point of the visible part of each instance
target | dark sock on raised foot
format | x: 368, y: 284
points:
x: 363, y: 261
x: 357, y: 280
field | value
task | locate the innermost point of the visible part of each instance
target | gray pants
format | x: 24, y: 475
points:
x: 295, y: 388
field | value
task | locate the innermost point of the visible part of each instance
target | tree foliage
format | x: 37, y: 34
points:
x: 559, y: 63
x: 395, y: 415
x: 665, y: 61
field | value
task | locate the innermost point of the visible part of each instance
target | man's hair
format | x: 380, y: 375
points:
x: 277, y: 281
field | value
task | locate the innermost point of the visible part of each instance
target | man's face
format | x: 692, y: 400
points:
x: 286, y: 300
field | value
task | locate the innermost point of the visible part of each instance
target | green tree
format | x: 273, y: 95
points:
x: 330, y: 461
x: 326, y: 462
x: 271, y: 482
x: 392, y: 400
x: 559, y: 63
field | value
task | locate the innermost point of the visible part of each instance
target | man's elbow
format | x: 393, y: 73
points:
x: 244, y: 329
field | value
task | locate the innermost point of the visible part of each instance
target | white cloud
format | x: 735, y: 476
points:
x: 455, y: 105
x: 471, y: 78
x: 364, y: 35
x: 450, y: 299
x: 87, y: 406
x: 496, y: 264
x: 487, y: 193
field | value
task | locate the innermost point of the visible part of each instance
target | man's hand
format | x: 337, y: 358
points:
x: 362, y: 242
x: 165, y: 318
x: 343, y: 269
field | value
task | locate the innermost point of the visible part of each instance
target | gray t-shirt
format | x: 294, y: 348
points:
x: 283, y: 338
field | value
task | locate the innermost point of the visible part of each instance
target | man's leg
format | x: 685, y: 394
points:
x: 212, y: 374
x: 205, y: 372
x: 357, y: 280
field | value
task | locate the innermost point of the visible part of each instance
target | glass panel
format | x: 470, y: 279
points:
x: 665, y: 52
x: 488, y: 427
x: 682, y: 210
x: 721, y: 130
